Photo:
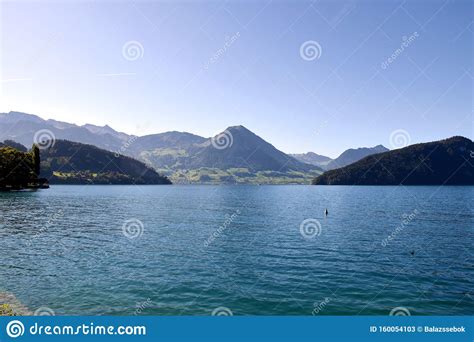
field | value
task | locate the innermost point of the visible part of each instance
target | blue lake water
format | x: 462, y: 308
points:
x: 239, y: 248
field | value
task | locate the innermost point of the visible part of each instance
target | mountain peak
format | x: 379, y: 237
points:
x: 238, y: 132
x: 375, y: 148
x: 100, y: 129
x: 238, y: 128
x: 312, y: 158
x: 380, y: 146
x: 13, y: 117
x: 353, y: 155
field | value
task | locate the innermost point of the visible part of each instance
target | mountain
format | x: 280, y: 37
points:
x: 165, y: 151
x: 234, y: 156
x: 347, y: 157
x: 167, y: 140
x: 312, y: 158
x: 179, y: 150
x: 69, y: 162
x: 444, y: 162
x: 182, y: 156
x: 245, y: 150
x: 15, y: 117
x: 103, y: 130
x: 352, y: 155
x: 21, y: 127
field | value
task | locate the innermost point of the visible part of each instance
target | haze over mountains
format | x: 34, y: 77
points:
x: 347, y: 157
x: 312, y: 158
x: 354, y: 154
x: 21, y: 127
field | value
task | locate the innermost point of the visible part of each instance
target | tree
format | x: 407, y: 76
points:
x: 36, y: 159
x: 18, y: 169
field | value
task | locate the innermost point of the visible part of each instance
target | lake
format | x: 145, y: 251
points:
x: 245, y: 250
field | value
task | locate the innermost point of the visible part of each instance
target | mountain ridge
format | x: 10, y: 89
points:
x: 312, y: 158
x: 236, y: 155
x: 347, y: 157
x: 190, y: 157
x: 443, y: 162
x: 67, y: 162
x: 353, y: 155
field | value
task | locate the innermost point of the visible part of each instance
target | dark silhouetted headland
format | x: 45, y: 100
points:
x: 444, y: 162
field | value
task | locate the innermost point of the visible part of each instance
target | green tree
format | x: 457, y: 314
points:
x: 17, y: 169
x: 36, y: 159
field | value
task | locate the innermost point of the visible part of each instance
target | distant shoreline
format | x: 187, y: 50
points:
x: 246, y: 184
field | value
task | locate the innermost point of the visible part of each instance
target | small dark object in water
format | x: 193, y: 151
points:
x: 412, y: 252
x: 326, y: 212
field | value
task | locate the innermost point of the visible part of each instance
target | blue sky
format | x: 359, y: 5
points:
x: 205, y: 65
